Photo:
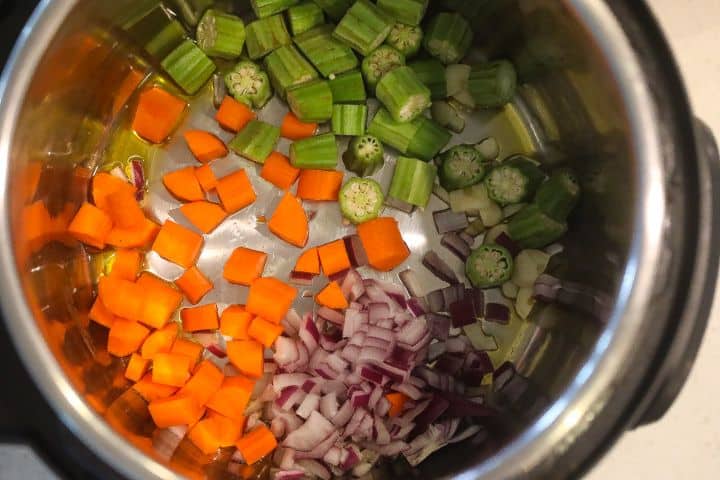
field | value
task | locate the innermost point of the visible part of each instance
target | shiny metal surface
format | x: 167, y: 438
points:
x: 585, y: 102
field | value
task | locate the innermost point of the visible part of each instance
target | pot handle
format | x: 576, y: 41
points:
x: 682, y: 351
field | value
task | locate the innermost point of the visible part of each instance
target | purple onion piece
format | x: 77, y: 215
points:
x: 432, y: 261
x: 450, y: 363
x: 545, y: 293
x: 355, y: 250
x: 478, y: 299
x: 437, y: 406
x: 331, y: 315
x: 505, y: 241
x: 449, y: 221
x: 439, y: 325
x: 452, y: 294
x: 138, y: 177
x: 497, y: 313
x: 301, y: 278
x: 435, y: 301
x: 467, y: 238
x: 399, y: 205
x: 456, y: 245
x: 410, y: 280
x: 460, y: 406
x: 463, y: 312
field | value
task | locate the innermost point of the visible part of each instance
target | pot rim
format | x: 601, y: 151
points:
x: 585, y: 395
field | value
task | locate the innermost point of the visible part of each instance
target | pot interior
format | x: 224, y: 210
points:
x: 74, y: 121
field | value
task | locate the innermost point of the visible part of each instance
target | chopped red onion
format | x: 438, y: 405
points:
x: 460, y: 406
x: 418, y: 306
x: 504, y: 240
x: 467, y: 238
x: 355, y: 250
x: 456, y: 245
x: 285, y: 475
x: 436, y: 349
x: 394, y: 448
x: 378, y: 343
x: 352, y: 285
x: 328, y: 405
x: 439, y: 325
x: 344, y: 414
x: 452, y: 294
x: 410, y: 390
x: 302, y: 278
x: 459, y: 344
x: 166, y: 440
x: 350, y: 353
x: 449, y: 221
x: 369, y: 373
x: 309, y: 333
x: 360, y: 399
x: 435, y: 301
x: 137, y: 171
x: 351, y: 459
x: 311, y: 386
x: 437, y: 406
x: 401, y: 205
x: 383, y: 407
x: 355, y: 421
x: 401, y: 358
x: 288, y: 329
x: 314, y: 468
x: 378, y: 311
x: 358, y: 339
x: 450, y: 363
x: 316, y: 429
x: 117, y: 172
x: 289, y: 397
x: 371, y: 355
x: 498, y: 313
x: 412, y: 332
x: 463, y: 312
x: 283, y: 380
x: 320, y: 450
x: 294, y: 319
x: 336, y: 386
x: 331, y: 315
x: 216, y: 350
x: 432, y: 261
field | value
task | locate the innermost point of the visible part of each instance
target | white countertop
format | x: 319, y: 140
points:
x: 686, y: 442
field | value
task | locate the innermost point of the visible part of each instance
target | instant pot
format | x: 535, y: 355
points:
x: 600, y: 92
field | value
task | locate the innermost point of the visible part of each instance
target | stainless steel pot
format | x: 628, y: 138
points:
x: 601, y: 92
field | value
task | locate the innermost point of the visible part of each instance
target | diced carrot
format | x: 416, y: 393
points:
x: 333, y: 257
x: 104, y: 185
x: 244, y: 266
x: 158, y: 113
x: 126, y: 264
x: 246, y: 472
x: 230, y: 427
x: 204, y: 145
x: 264, y: 332
x: 122, y: 297
x: 100, y: 314
x: 194, y: 284
x: 246, y: 356
x: 205, y: 381
x: 383, y: 244
x: 171, y: 369
x: 161, y: 300
x: 175, y: 410
x: 289, y: 221
x: 308, y: 262
x: 319, y: 185
x: 397, y: 402
x: 293, y: 129
x: 91, y: 226
x: 190, y: 349
x: 178, y: 244
x: 204, y: 317
x: 278, y: 171
x: 270, y: 298
x: 124, y: 209
x: 152, y: 391
x: 332, y: 297
x: 232, y: 398
x: 206, y: 178
x: 125, y: 337
x: 215, y: 432
x: 184, y: 185
x: 160, y: 341
x: 205, y: 216
x: 136, y: 367
x: 126, y: 89
x: 235, y: 191
x: 233, y: 115
x: 136, y: 237
x: 235, y: 321
x: 256, y: 444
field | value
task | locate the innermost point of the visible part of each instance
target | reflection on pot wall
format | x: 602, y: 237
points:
x: 86, y: 84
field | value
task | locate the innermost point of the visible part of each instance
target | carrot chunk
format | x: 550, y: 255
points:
x: 100, y: 314
x: 125, y: 337
x: 158, y: 113
x: 246, y: 356
x: 321, y: 185
x: 184, y: 185
x: 126, y: 264
x: 308, y: 262
x: 160, y: 302
x: 235, y: 191
x: 214, y: 432
x: 235, y: 322
x: 332, y: 297
x: 270, y: 298
x: 136, y: 367
x: 124, y: 210
x: 104, y: 185
x: 160, y: 341
x: 135, y: 237
x: 122, y: 297
x: 289, y: 221
x: 190, y: 349
x: 204, y: 145
x: 178, y: 244
x: 293, y: 129
x: 194, y: 284
x: 171, y: 369
x: 204, y: 317
x: 91, y: 226
x: 264, y: 332
x: 278, y: 171
x: 205, y: 381
x: 397, y: 402
x: 206, y: 178
x: 256, y: 444
x: 205, y: 216
x: 233, y: 397
x: 175, y: 410
x: 333, y: 257
x: 233, y: 115
x: 383, y: 244
x: 244, y: 266
x: 152, y: 391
